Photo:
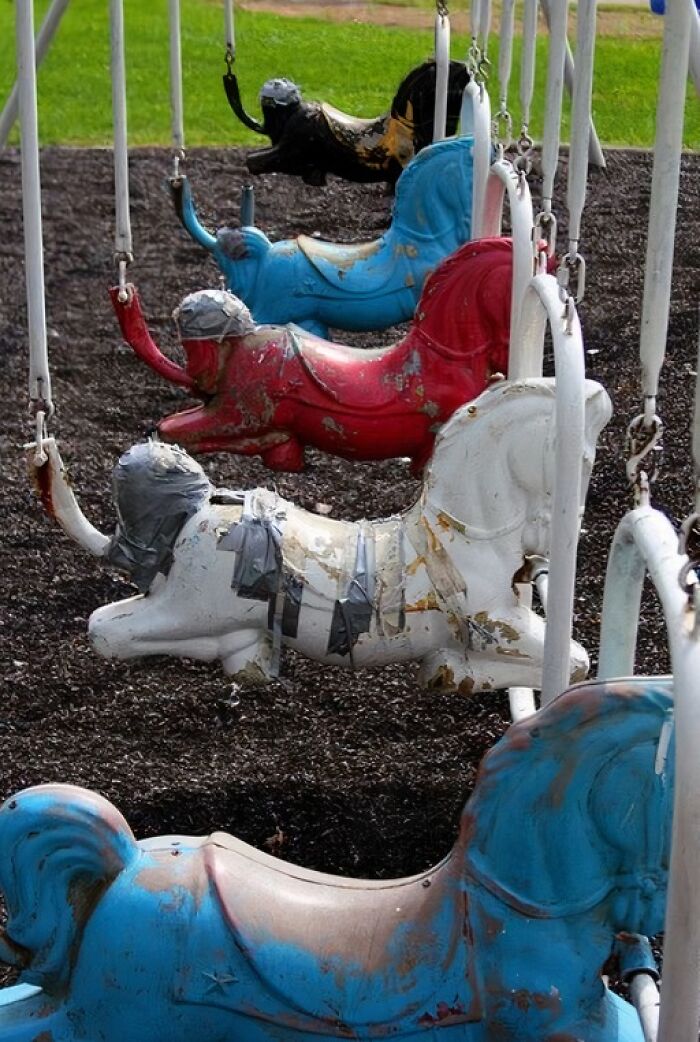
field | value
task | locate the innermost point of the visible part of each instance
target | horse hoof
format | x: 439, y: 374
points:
x: 287, y: 456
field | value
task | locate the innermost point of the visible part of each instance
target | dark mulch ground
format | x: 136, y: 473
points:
x: 362, y: 775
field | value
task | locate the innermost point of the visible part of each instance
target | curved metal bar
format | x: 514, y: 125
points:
x: 59, y: 500
x: 645, y: 541
x: 8, y: 116
x: 442, y: 75
x: 541, y: 305
x: 503, y: 179
x: 184, y: 207
x: 475, y: 119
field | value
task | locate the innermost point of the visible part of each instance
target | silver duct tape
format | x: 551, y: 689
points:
x: 280, y: 91
x: 352, y: 614
x: 212, y: 314
x: 156, y: 488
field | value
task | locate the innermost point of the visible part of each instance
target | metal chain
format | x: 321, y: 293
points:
x: 643, y: 454
x: 442, y: 8
x: 689, y: 543
x: 571, y: 276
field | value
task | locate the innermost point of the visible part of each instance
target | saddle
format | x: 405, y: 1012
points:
x: 342, y: 121
x: 335, y: 262
x: 359, y: 380
x: 300, y: 951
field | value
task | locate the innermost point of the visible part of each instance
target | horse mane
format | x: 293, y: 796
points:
x: 580, y: 786
x: 464, y: 308
x: 434, y: 195
x: 61, y: 848
x: 414, y: 101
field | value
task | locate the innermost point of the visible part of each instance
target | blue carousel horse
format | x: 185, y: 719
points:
x: 563, y: 845
x: 360, y: 286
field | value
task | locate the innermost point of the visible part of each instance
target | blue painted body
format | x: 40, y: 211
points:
x: 659, y: 6
x: 361, y: 286
x: 563, y: 844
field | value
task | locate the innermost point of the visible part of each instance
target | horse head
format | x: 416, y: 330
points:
x: 589, y: 781
x: 62, y: 847
x: 414, y: 101
x: 434, y: 195
x: 237, y: 251
x: 156, y: 488
x: 464, y: 309
x: 503, y: 445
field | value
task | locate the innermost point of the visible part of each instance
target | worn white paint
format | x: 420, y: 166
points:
x: 451, y: 559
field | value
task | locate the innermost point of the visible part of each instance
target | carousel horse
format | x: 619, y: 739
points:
x: 563, y: 845
x: 361, y: 286
x: 270, y: 390
x: 233, y: 576
x: 313, y: 139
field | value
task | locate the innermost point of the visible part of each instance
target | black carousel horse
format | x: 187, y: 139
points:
x: 311, y: 139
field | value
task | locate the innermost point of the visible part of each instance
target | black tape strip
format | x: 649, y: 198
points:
x: 293, y: 590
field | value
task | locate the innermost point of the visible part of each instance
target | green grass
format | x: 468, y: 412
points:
x: 354, y: 66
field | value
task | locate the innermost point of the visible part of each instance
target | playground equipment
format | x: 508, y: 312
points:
x: 507, y: 936
x: 270, y: 390
x: 436, y: 583
x: 233, y: 943
x: 313, y: 139
x: 367, y: 285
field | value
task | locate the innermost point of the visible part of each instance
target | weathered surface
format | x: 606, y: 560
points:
x: 361, y: 774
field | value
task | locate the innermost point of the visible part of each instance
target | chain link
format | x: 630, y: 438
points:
x: 502, y: 127
x: 571, y: 276
x: 689, y: 543
x: 442, y: 8
x: 643, y: 453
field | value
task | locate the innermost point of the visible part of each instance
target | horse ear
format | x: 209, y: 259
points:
x: 538, y: 836
x: 61, y: 848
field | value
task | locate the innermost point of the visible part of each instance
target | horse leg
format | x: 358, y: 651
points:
x: 287, y: 455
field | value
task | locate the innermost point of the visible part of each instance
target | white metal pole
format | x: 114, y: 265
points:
x: 8, y: 116
x: 442, y: 74
x: 542, y: 295
x: 664, y: 197
x: 595, y: 152
x: 527, y: 65
x: 475, y: 118
x: 229, y: 28
x: 694, y: 59
x: 485, y: 25
x: 503, y: 179
x: 39, y: 376
x: 505, y: 51
x: 580, y: 119
x: 122, y: 235
x: 553, y: 98
x: 177, y: 118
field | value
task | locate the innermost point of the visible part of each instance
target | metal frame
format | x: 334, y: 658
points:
x: 646, y: 542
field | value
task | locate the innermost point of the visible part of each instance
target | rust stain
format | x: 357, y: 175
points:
x: 443, y: 679
x: 42, y: 484
x: 427, y: 603
x: 499, y: 629
x: 466, y: 686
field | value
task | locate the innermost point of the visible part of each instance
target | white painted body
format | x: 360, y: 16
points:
x: 449, y: 561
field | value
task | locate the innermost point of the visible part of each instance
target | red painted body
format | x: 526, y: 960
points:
x: 275, y: 390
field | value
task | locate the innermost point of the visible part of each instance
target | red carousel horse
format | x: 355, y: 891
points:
x: 272, y: 390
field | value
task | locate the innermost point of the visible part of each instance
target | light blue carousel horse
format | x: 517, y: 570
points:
x: 359, y: 286
x: 563, y: 844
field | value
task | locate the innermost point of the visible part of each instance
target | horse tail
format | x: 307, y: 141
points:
x: 61, y: 847
x: 464, y: 309
x: 414, y: 101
